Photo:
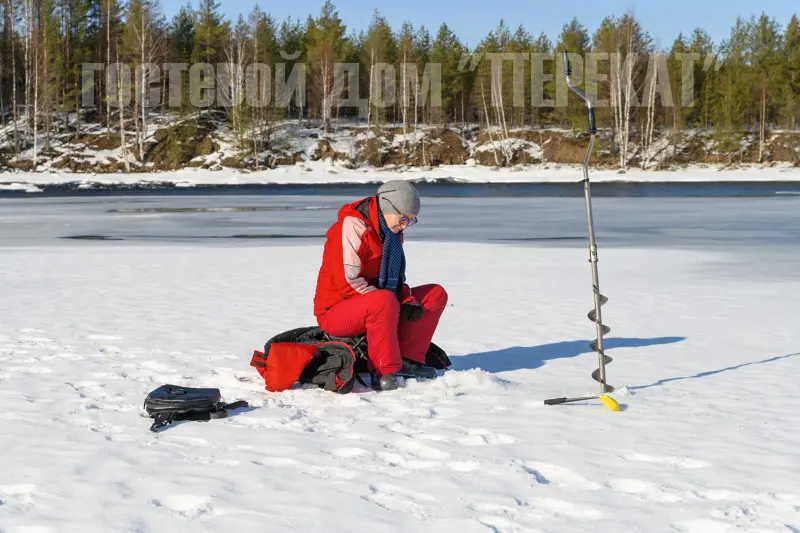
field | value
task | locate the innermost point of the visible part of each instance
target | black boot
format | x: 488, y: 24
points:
x: 388, y: 382
x: 412, y: 369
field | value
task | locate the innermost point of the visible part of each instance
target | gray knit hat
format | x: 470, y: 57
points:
x: 399, y: 195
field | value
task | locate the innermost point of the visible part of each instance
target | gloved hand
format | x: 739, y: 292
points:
x: 411, y: 311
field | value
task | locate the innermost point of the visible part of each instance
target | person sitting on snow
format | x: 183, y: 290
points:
x: 361, y: 285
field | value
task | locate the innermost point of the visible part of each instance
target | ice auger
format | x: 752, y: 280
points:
x: 595, y: 314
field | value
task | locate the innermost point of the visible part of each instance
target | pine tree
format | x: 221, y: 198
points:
x: 574, y: 39
x: 53, y: 65
x: 446, y: 51
x: 405, y: 58
x: 768, y: 70
x: 142, y: 43
x: 181, y: 47
x: 521, y: 45
x: 111, y: 21
x: 543, y: 46
x: 10, y: 23
x: 704, y: 80
x: 791, y: 55
x: 326, y: 38
x: 379, y: 47
x: 731, y: 109
x: 293, y: 39
x: 77, y: 51
x: 209, y: 34
x: 422, y: 52
x: 265, y: 51
x: 677, y: 81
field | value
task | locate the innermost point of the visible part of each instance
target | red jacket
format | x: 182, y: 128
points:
x: 351, y: 260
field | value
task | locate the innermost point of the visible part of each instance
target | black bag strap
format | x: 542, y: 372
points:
x: 358, y: 378
x: 161, y: 420
x: 220, y: 410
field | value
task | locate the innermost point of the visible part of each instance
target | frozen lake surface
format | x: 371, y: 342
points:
x: 703, y: 298
x: 649, y: 222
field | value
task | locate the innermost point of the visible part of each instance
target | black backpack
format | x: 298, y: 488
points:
x: 171, y: 403
x: 334, y: 366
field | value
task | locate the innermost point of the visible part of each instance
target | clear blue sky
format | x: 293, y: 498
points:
x: 471, y: 20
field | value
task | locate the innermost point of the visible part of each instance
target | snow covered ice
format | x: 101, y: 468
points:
x: 703, y: 298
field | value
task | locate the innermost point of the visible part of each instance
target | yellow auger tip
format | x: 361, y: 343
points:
x: 609, y: 402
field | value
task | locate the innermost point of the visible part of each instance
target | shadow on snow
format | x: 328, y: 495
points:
x: 531, y: 357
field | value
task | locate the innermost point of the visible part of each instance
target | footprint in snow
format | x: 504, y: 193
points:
x: 27, y: 529
x: 421, y: 451
x: 703, y: 525
x: 397, y: 499
x: 348, y: 453
x: 185, y: 505
x: 644, y: 489
x: 17, y: 494
x: 29, y: 369
x: 541, y: 508
x: 673, y: 461
x: 481, y: 437
x: 506, y: 525
x: 103, y: 338
x: 316, y: 471
x: 545, y: 474
x: 398, y: 461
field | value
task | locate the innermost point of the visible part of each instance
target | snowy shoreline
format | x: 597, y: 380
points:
x: 320, y: 173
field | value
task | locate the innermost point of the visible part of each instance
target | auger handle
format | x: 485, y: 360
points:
x: 559, y: 401
x: 556, y: 401
x: 592, y: 117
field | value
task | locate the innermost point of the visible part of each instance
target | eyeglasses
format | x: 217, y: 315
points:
x: 403, y: 218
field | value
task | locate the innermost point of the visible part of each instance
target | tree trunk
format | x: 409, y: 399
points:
x: 416, y: 111
x: 404, y: 108
x: 489, y: 123
x: 763, y: 130
x: 108, y: 57
x: 616, y: 99
x: 27, y: 69
x: 68, y: 61
x: 47, y: 90
x: 261, y: 96
x: 626, y: 124
x: 35, y: 103
x: 371, y: 79
x: 145, y: 83
x: 123, y: 142
x: 325, y: 110
x: 14, y: 116
x: 652, y: 115
x: 137, y: 80
x: 2, y: 100
x: 676, y: 130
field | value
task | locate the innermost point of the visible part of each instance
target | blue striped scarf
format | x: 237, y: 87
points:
x: 393, y: 261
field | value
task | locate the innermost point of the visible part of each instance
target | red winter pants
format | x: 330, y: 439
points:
x: 378, y: 314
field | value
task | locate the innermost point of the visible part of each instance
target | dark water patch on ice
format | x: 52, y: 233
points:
x: 537, y: 239
x: 93, y: 238
x: 218, y: 209
x: 190, y: 237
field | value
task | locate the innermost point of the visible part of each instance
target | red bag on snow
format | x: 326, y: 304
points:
x: 329, y: 365
x: 309, y: 355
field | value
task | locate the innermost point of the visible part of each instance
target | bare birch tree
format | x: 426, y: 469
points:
x: 14, y: 115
